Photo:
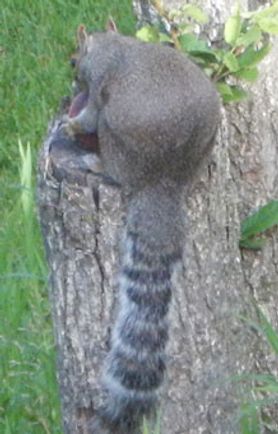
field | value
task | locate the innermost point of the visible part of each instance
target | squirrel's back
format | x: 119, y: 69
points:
x: 158, y: 105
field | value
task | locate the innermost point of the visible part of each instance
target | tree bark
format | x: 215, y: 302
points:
x: 216, y: 286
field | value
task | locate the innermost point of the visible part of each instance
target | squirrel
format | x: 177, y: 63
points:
x: 155, y: 114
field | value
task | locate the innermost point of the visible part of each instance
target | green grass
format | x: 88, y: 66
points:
x: 37, y: 38
x: 260, y: 404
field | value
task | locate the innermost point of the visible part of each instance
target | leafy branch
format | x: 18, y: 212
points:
x: 244, y: 44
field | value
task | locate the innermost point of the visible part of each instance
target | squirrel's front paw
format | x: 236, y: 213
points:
x: 68, y: 126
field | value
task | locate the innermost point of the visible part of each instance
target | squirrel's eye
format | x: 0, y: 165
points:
x: 73, y: 62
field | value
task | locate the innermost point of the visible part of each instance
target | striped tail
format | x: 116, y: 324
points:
x: 136, y: 364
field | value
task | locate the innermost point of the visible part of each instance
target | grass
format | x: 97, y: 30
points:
x: 36, y: 41
x: 260, y: 404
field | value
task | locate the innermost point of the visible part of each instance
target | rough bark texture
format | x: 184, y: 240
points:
x: 217, y: 284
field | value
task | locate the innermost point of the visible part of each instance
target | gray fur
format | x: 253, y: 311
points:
x: 155, y: 114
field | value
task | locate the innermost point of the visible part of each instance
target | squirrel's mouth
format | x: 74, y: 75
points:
x: 78, y: 103
x: 86, y: 141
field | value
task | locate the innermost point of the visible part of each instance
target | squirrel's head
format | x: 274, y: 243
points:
x: 83, y: 60
x: 85, y: 41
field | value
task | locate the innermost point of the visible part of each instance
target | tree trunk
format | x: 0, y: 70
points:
x: 217, y: 285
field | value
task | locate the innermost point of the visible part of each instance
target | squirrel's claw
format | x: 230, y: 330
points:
x: 67, y: 125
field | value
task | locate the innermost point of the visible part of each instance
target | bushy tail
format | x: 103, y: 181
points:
x: 135, y: 366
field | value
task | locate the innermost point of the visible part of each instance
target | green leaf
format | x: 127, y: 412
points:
x: 231, y: 62
x: 164, y: 38
x: 145, y: 427
x: 197, y: 48
x: 252, y: 377
x: 270, y: 388
x: 208, y: 71
x: 224, y: 89
x: 206, y: 56
x: 271, y: 11
x: 196, y: 13
x: 219, y: 53
x: 269, y: 25
x: 249, y: 421
x: 265, y: 218
x: 267, y: 19
x: 252, y: 36
x: 252, y: 243
x: 252, y: 56
x: 232, y: 28
x: 248, y: 74
x: 238, y: 94
x: 230, y: 93
x: 190, y: 42
x: 148, y: 34
x: 269, y: 332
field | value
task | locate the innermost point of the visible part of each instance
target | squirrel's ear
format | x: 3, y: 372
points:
x: 111, y: 25
x: 82, y: 37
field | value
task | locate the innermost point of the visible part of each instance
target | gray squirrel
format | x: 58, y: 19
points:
x: 155, y: 114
